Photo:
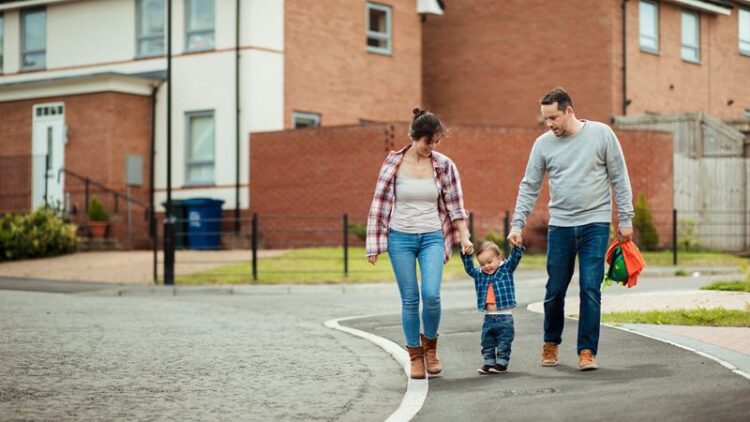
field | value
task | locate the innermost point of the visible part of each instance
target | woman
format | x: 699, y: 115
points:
x: 416, y: 215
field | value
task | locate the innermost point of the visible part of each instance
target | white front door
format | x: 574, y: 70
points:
x: 48, y: 154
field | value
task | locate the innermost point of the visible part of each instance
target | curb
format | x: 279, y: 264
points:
x: 416, y: 390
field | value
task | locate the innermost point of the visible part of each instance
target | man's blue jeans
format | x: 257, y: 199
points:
x: 589, y: 242
x: 497, y: 337
x: 404, y: 250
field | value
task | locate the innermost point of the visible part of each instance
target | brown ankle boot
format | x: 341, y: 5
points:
x: 431, y: 358
x: 416, y: 355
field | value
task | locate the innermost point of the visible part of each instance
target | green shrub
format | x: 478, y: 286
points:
x: 359, y: 230
x: 39, y: 234
x: 643, y: 224
x: 687, y: 241
x: 96, y: 210
x: 494, y: 237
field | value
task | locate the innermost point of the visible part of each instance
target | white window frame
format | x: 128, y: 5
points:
x: 189, y: 162
x: 24, y: 52
x: 641, y: 25
x: 189, y: 32
x: 305, y: 115
x: 2, y: 39
x: 376, y: 35
x: 690, y: 45
x: 140, y: 39
x: 743, y: 16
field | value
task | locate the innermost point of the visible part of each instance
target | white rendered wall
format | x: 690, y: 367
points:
x: 96, y: 36
x: 90, y: 32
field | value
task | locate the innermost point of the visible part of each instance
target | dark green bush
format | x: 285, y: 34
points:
x: 359, y: 230
x: 96, y: 210
x: 39, y: 234
x: 492, y: 236
x: 643, y: 224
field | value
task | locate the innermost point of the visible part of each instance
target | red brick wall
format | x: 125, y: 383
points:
x: 327, y: 69
x: 296, y: 183
x: 489, y: 62
x: 665, y: 83
x: 103, y: 129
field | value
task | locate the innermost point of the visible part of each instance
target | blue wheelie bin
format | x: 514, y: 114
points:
x: 203, y: 222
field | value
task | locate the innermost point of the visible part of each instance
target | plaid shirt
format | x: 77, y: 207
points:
x: 502, y: 280
x: 450, y: 201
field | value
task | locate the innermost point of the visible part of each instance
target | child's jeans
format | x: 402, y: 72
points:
x: 497, y: 336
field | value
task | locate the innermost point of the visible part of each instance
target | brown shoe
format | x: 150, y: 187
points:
x: 431, y: 358
x: 586, y: 360
x: 416, y: 355
x: 549, y: 354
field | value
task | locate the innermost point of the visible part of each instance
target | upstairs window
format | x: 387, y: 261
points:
x: 200, y: 148
x: 302, y: 119
x: 2, y: 31
x: 648, y: 26
x: 33, y: 39
x: 744, y: 31
x: 150, y: 18
x: 691, y: 37
x: 199, y: 25
x: 379, y: 28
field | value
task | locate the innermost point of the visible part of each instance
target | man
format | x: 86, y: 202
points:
x: 583, y: 158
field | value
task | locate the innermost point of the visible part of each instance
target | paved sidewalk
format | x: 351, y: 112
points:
x: 731, y: 344
x: 123, y: 267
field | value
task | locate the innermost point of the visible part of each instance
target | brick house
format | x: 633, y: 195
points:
x: 94, y: 97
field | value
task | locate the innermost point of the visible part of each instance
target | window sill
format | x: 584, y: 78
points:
x: 150, y: 56
x: 199, y: 184
x: 697, y: 63
x: 652, y: 52
x: 204, y: 50
x: 380, y: 52
x: 32, y: 70
x: 745, y: 53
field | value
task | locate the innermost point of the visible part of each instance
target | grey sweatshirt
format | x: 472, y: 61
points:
x: 581, y: 168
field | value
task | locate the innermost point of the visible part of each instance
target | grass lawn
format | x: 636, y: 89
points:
x: 664, y: 258
x: 325, y: 265
x: 729, y: 286
x: 322, y: 265
x: 718, y: 317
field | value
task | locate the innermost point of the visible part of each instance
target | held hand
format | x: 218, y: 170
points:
x: 467, y: 248
x: 372, y: 259
x: 515, y: 238
x: 624, y: 234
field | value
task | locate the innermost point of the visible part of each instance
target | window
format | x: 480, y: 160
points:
x: 744, y: 24
x: 200, y: 148
x: 648, y: 25
x: 2, y: 30
x: 199, y: 25
x: 691, y: 37
x: 747, y: 113
x: 150, y: 30
x: 302, y: 119
x: 33, y: 39
x: 378, y: 28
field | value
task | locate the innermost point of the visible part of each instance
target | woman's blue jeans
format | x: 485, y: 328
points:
x: 589, y: 242
x: 404, y: 250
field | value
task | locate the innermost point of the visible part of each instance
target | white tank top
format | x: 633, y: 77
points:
x: 416, y: 208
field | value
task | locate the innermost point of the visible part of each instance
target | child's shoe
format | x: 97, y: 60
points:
x: 498, y: 369
x: 485, y: 369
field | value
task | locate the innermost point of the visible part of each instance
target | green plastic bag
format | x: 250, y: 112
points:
x: 618, y: 272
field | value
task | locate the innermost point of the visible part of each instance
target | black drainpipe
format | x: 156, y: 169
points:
x: 625, y: 101
x: 237, y: 123
x: 151, y: 182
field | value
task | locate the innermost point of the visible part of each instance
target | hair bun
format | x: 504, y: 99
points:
x: 417, y: 112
